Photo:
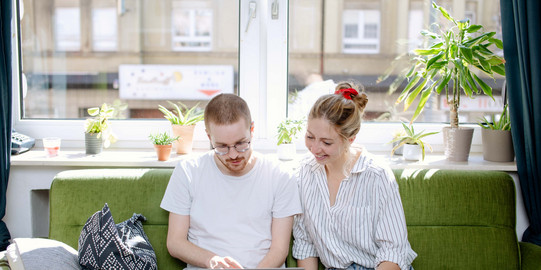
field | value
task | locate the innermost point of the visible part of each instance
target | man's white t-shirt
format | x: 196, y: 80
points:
x: 229, y: 215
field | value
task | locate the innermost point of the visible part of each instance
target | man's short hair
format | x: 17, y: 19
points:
x: 226, y: 109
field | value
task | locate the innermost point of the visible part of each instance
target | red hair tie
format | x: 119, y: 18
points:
x: 348, y: 93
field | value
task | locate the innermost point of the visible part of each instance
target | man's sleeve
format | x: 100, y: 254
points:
x: 286, y: 198
x: 178, y: 195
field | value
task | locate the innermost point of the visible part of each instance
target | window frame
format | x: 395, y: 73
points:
x: 263, y: 65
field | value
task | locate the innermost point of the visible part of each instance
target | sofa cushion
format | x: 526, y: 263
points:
x: 105, y: 245
x: 76, y: 194
x: 38, y: 253
x: 460, y: 220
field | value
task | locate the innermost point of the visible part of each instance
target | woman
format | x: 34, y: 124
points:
x: 352, y: 213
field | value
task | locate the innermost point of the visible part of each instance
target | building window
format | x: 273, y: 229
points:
x: 361, y: 31
x: 67, y: 28
x: 104, y: 29
x: 192, y: 29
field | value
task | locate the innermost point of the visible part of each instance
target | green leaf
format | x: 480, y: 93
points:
x: 427, y: 33
x: 422, y: 101
x: 409, y: 86
x: 426, y: 51
x: 497, y: 42
x: 93, y: 111
x: 484, y: 65
x: 476, y: 40
x: 485, y: 87
x: 444, y: 13
x: 467, y: 53
x: 500, y: 69
x: 434, y: 59
x: 411, y: 97
x: 463, y: 24
x: 473, y: 28
x: 471, y: 82
x: 396, y: 83
x: 443, y: 83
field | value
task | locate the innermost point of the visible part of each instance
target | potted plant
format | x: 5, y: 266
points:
x: 163, y: 143
x: 98, y: 132
x: 287, y: 131
x: 414, y: 146
x: 497, y: 139
x: 183, y: 120
x: 448, y: 67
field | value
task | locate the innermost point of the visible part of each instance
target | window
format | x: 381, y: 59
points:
x: 73, y: 54
x: 104, y: 29
x: 67, y: 28
x: 361, y: 31
x: 192, y: 29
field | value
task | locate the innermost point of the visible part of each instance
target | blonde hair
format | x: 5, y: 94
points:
x: 226, y: 109
x: 343, y: 113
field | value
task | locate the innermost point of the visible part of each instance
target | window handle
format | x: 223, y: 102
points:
x: 252, y: 6
x: 274, y: 10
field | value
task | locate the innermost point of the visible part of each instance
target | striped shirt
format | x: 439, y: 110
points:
x: 366, y: 225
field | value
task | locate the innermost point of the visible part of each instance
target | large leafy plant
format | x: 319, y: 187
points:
x: 182, y: 115
x: 448, y: 65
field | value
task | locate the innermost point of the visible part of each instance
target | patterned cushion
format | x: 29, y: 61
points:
x: 104, y: 245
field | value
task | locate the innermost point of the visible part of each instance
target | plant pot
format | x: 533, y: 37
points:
x: 163, y: 151
x: 185, y: 143
x: 457, y: 143
x: 93, y: 144
x: 497, y: 145
x: 286, y: 151
x: 412, y: 152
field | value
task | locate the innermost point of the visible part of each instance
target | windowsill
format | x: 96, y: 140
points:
x: 147, y: 158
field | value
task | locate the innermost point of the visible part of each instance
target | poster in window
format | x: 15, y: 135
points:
x: 187, y: 82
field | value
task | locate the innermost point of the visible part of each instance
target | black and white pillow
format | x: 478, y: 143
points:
x: 106, y: 245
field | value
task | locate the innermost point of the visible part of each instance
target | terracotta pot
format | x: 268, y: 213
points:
x: 457, y: 143
x: 497, y: 145
x: 185, y: 143
x: 163, y: 151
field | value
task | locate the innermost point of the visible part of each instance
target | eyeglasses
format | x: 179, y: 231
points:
x: 240, y: 147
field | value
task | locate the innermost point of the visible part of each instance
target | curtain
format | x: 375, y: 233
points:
x: 521, y: 25
x: 5, y: 114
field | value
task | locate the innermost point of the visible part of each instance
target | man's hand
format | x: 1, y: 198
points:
x: 218, y: 262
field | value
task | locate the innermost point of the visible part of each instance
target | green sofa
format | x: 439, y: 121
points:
x: 455, y: 219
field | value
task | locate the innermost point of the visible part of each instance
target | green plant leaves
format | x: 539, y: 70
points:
x: 288, y: 130
x: 451, y: 63
x: 182, y: 115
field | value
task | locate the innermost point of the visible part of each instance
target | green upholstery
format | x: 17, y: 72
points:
x: 75, y: 195
x: 455, y: 219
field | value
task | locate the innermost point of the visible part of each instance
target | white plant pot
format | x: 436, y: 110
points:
x: 412, y: 152
x: 286, y: 151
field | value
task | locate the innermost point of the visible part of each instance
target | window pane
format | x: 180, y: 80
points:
x: 135, y: 56
x: 369, y: 35
x: 67, y: 29
x: 104, y: 29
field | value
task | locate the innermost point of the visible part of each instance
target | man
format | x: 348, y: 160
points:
x: 231, y: 207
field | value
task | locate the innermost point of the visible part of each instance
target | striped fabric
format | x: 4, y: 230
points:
x: 366, y: 225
